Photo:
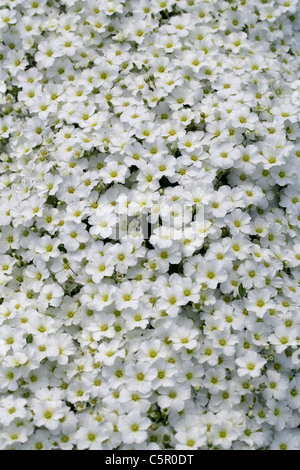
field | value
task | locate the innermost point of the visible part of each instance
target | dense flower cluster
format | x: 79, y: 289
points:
x: 150, y: 224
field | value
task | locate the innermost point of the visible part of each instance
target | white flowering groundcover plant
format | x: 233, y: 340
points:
x: 150, y: 223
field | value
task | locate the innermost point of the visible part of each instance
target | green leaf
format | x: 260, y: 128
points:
x: 29, y: 339
x: 242, y: 291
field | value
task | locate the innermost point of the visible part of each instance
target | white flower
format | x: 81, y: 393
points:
x: 133, y: 427
x: 251, y: 364
x: 150, y: 213
x: 91, y: 435
x: 174, y: 397
x: 47, y: 414
x: 11, y: 409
